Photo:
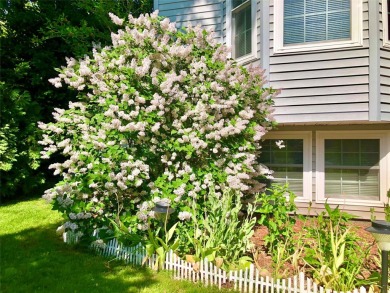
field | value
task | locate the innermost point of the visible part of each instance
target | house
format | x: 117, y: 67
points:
x: 331, y: 59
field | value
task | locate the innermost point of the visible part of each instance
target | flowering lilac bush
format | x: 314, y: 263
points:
x: 163, y: 114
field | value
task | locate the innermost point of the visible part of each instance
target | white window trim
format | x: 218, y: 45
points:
x: 229, y: 30
x: 307, y: 158
x: 385, y: 20
x: 384, y: 162
x: 356, y: 32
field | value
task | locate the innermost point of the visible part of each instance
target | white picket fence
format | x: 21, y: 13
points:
x: 248, y: 280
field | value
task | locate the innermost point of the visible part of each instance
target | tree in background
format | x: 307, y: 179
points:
x: 35, y: 37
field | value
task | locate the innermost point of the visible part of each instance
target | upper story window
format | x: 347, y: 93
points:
x: 316, y: 24
x: 241, y: 29
x: 385, y: 22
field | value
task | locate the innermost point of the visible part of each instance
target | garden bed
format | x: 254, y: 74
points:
x: 264, y: 260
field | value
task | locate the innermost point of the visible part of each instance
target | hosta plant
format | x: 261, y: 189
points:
x: 160, y: 115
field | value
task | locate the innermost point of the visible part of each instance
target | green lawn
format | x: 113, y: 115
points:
x: 34, y: 259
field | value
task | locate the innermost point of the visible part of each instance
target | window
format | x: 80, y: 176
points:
x: 352, y: 168
x: 292, y: 163
x: 316, y: 24
x: 385, y: 22
x: 241, y: 27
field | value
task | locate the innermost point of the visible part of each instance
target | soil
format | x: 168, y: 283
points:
x: 264, y: 262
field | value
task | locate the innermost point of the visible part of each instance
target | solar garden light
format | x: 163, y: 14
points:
x: 162, y: 210
x: 381, y: 232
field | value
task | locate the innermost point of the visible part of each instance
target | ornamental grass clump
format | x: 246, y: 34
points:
x: 162, y: 114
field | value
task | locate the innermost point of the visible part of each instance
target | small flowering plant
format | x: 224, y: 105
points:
x: 161, y: 115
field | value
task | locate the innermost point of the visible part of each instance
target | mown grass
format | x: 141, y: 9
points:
x: 34, y: 259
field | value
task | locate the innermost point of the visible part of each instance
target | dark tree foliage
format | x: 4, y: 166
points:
x: 35, y: 38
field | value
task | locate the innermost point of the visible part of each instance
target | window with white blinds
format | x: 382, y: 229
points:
x: 242, y: 28
x: 303, y: 25
x: 308, y: 21
x: 291, y: 163
x: 286, y: 162
x: 352, y: 169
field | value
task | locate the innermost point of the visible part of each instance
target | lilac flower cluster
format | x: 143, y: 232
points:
x: 161, y: 114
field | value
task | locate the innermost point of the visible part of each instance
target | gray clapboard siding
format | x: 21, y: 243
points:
x: 384, y: 72
x: 385, y: 90
x: 328, y: 108
x: 338, y: 55
x: 385, y: 83
x: 191, y: 5
x: 319, y: 82
x: 258, y: 23
x: 207, y: 13
x: 323, y: 117
x: 386, y: 99
x: 320, y: 94
x: 386, y: 107
x: 334, y: 99
x: 320, y: 86
x: 190, y: 17
x: 318, y: 65
x: 385, y: 80
x: 380, y: 21
x: 322, y: 73
x: 386, y: 116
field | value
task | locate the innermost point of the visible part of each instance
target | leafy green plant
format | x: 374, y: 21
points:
x: 220, y: 232
x: 160, y: 246
x: 283, y: 255
x: 334, y: 253
x: 276, y: 207
x: 387, y: 207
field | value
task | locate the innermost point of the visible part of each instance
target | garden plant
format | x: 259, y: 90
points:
x: 162, y: 115
x: 335, y: 256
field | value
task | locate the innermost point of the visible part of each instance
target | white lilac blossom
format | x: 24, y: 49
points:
x: 158, y: 118
x: 184, y: 216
